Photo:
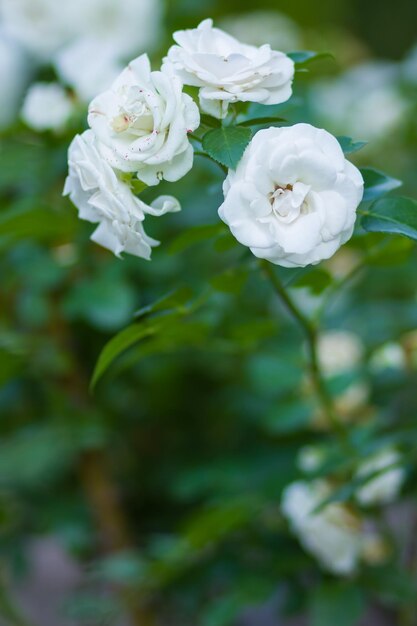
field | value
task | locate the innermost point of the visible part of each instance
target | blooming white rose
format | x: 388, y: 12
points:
x: 293, y: 197
x: 143, y: 121
x: 47, y: 106
x: 102, y: 197
x: 89, y: 66
x: 229, y: 71
x: 14, y: 75
x: 385, y: 487
x: 333, y: 534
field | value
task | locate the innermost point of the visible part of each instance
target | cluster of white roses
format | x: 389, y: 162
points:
x: 293, y: 197
x: 335, y: 534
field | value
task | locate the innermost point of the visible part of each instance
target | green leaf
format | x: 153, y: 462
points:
x: 336, y: 603
x: 227, y: 144
x: 349, y: 146
x: 377, y: 183
x: 210, y: 121
x: 197, y: 234
x: 121, y: 342
x: 397, y: 216
x: 260, y: 121
x: 303, y: 57
x: 174, y: 300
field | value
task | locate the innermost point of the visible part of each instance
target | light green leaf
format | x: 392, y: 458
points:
x: 138, y: 186
x: 349, y: 146
x: 397, y: 216
x: 197, y: 234
x: 336, y: 603
x: 377, y: 183
x: 227, y: 144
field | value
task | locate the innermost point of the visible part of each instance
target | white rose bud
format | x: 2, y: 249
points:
x: 142, y: 124
x: 293, y: 197
x: 384, y: 487
x: 333, y: 534
x: 101, y: 197
x: 229, y: 71
x: 47, y: 106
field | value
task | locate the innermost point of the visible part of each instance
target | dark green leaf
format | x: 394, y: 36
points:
x: 377, y: 183
x: 227, y: 145
x: 336, y: 603
x: 317, y: 280
x: 349, y: 146
x: 210, y: 121
x: 397, y: 216
x: 260, y: 121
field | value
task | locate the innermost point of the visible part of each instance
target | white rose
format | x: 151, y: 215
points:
x: 101, y: 197
x: 385, y: 487
x: 333, y: 534
x: 229, y: 71
x: 293, y: 197
x: 89, y: 66
x: 47, y: 106
x: 143, y: 121
x: 14, y: 76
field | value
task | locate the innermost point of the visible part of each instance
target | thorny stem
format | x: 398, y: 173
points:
x: 311, y: 333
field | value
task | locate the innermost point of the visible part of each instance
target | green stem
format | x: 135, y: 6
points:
x: 311, y: 333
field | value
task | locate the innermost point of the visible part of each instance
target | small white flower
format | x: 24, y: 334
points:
x: 14, y: 75
x: 333, y: 534
x: 102, y: 197
x: 47, y: 106
x: 143, y: 121
x: 385, y: 487
x: 227, y: 70
x: 339, y: 351
x: 89, y: 66
x: 293, y: 197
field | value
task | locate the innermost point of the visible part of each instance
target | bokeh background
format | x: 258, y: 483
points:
x: 164, y: 483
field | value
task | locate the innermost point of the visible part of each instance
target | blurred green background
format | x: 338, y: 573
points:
x: 164, y: 483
